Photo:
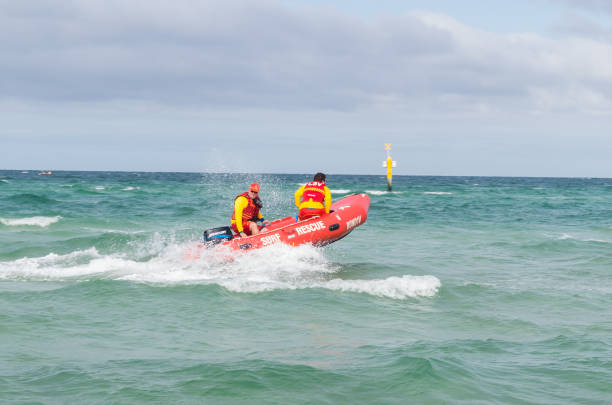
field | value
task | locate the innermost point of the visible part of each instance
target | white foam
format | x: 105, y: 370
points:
x: 392, y: 287
x: 437, y: 192
x: 341, y: 191
x: 31, y: 221
x: 99, y: 187
x: 129, y: 188
x: 261, y: 270
x: 381, y: 192
x: 51, y: 266
x: 278, y: 267
x: 566, y: 236
x: 5, y: 181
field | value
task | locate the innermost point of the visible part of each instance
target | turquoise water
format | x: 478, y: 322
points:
x: 455, y: 290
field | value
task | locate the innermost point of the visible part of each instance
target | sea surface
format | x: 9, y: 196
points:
x: 456, y: 290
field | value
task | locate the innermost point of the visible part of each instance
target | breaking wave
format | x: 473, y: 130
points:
x: 381, y: 192
x: 31, y: 221
x: 278, y: 267
x: 392, y: 287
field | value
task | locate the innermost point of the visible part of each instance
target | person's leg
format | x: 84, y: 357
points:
x: 253, y: 227
x: 246, y: 228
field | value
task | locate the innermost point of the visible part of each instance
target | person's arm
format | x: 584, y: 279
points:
x: 298, y: 196
x: 327, y: 200
x: 264, y: 222
x: 239, y: 206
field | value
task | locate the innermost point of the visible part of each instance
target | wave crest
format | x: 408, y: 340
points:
x: 392, y: 287
x: 30, y: 221
x: 278, y: 267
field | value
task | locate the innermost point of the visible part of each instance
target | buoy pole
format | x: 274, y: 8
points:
x: 389, y: 164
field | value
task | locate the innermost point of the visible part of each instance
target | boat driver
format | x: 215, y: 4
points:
x: 247, y: 211
x: 313, y: 199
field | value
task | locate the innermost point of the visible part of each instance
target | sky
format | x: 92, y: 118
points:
x: 459, y: 88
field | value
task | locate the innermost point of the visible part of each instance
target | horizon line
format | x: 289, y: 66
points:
x: 310, y: 174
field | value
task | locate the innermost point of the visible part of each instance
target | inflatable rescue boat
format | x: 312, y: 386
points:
x: 345, y: 215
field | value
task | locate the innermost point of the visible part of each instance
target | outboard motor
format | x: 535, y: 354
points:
x: 215, y: 236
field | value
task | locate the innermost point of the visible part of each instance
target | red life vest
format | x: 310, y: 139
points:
x: 315, y: 191
x: 251, y: 211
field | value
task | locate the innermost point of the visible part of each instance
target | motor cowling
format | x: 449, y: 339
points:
x: 218, y: 235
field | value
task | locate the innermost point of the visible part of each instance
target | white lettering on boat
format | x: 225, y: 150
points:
x: 304, y: 229
x: 269, y: 240
x: 353, y: 222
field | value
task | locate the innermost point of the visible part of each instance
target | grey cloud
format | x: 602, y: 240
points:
x: 589, y: 5
x: 262, y: 55
x: 578, y: 25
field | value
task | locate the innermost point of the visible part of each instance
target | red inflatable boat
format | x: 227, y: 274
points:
x: 346, y: 214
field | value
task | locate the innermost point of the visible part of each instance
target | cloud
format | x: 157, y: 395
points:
x: 589, y: 5
x: 579, y: 25
x: 244, y: 54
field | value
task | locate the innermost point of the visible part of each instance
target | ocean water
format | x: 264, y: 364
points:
x: 455, y: 290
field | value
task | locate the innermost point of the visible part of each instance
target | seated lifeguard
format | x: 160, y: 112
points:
x: 247, y: 211
x: 313, y: 199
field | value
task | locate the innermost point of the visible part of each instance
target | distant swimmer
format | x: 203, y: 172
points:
x: 313, y: 199
x: 46, y: 173
x: 247, y: 212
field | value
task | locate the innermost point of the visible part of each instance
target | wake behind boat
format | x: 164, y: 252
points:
x: 345, y: 215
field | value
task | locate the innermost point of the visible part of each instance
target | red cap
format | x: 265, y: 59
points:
x: 254, y: 187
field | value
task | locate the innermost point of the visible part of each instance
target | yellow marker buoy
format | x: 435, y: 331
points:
x: 389, y: 164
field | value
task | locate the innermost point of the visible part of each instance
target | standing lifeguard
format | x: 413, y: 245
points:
x: 313, y: 199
